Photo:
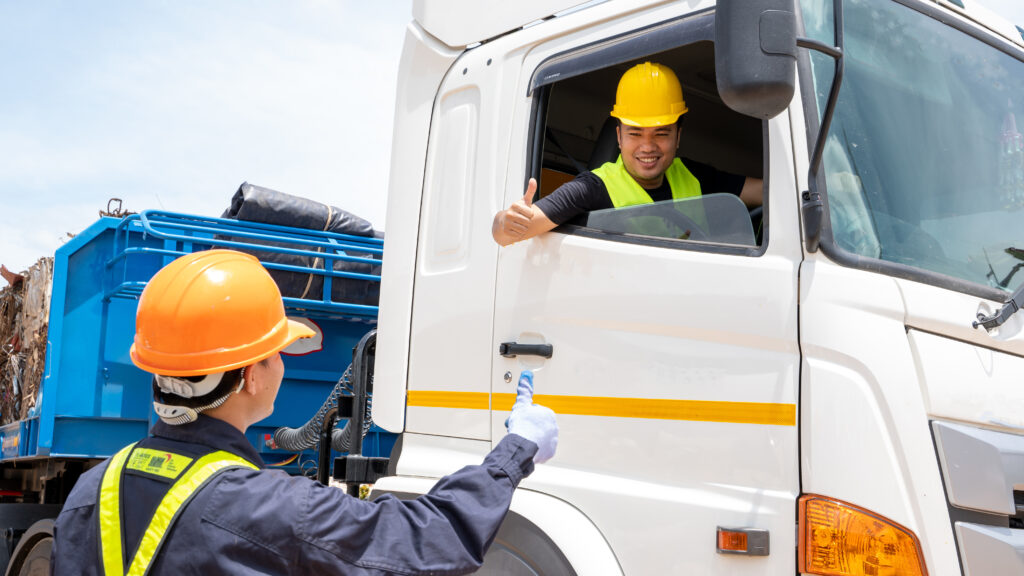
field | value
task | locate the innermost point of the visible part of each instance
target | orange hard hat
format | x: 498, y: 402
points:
x: 209, y: 312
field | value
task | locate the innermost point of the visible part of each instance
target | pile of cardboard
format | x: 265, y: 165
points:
x: 24, y: 317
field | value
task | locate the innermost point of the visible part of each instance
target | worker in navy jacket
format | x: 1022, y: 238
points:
x: 195, y: 497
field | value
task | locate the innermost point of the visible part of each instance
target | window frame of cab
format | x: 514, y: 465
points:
x: 674, y: 34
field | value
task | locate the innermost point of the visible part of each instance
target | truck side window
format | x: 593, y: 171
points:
x: 719, y: 147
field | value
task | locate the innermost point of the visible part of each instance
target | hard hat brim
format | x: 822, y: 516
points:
x: 648, y: 121
x: 294, y: 331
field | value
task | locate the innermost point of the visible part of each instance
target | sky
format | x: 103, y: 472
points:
x: 1012, y: 10
x: 172, y: 104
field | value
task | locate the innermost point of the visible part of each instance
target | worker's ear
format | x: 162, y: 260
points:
x: 618, y: 135
x: 250, y: 377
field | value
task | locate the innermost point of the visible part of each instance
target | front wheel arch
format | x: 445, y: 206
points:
x: 551, y: 520
x: 521, y: 548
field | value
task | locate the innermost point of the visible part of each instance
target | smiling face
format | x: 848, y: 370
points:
x: 647, y: 152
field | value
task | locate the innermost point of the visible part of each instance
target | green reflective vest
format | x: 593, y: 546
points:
x: 188, y: 476
x: 624, y: 190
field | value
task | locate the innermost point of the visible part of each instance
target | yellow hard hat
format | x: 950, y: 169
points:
x: 209, y: 312
x: 649, y: 94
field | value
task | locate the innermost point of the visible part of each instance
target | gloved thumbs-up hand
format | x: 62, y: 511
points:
x: 531, y: 421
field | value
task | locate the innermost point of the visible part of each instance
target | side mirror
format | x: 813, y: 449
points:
x: 755, y: 55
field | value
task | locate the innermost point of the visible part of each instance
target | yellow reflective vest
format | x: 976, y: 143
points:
x: 624, y: 190
x: 188, y: 476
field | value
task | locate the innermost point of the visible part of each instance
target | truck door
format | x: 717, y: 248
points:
x: 449, y: 356
x: 674, y: 366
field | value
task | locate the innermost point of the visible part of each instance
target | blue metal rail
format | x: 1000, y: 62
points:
x: 184, y: 233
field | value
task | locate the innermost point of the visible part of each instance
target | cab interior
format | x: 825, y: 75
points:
x: 579, y: 134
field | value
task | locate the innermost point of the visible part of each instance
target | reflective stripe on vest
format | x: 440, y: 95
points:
x: 624, y: 190
x: 188, y: 484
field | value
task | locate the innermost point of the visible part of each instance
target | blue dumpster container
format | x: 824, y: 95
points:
x: 93, y: 400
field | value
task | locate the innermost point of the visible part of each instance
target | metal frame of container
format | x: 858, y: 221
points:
x: 93, y: 400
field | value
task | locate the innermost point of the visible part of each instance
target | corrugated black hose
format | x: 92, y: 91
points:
x: 308, y: 435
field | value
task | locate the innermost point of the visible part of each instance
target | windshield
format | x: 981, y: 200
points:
x: 924, y: 162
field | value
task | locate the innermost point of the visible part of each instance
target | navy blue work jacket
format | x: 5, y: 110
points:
x: 267, y: 522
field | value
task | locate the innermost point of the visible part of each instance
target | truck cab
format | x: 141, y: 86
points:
x: 829, y: 384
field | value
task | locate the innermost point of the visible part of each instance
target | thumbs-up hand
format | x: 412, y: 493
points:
x: 514, y: 222
x: 532, y: 421
x: 524, y: 205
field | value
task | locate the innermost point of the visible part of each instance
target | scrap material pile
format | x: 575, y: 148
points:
x: 24, y: 316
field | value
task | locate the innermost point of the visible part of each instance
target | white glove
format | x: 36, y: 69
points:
x: 532, y: 421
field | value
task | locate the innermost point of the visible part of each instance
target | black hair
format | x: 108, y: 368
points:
x: 227, y: 384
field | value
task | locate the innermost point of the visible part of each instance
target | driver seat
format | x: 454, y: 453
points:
x: 606, y: 149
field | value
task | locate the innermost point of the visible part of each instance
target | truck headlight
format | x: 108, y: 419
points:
x: 840, y: 539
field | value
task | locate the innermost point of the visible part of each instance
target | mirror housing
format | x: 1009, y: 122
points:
x: 755, y: 55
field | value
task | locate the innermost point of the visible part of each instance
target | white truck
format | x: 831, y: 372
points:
x: 833, y: 386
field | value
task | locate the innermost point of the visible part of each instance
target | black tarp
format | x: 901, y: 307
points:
x: 257, y: 204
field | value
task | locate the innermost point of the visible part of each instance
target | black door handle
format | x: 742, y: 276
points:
x: 513, y: 349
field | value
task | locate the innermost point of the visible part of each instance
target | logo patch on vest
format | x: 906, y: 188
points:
x: 158, y: 462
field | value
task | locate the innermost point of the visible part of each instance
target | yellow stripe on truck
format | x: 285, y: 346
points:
x: 431, y: 399
x: 657, y: 409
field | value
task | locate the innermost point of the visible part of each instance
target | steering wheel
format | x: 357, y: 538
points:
x: 757, y: 221
x: 691, y: 230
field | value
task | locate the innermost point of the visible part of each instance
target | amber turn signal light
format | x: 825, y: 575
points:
x: 840, y: 539
x: 732, y: 541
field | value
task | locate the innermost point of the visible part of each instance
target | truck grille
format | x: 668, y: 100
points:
x: 983, y: 471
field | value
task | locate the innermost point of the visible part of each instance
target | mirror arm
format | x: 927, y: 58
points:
x: 832, y: 51
x: 833, y: 96
x: 813, y: 206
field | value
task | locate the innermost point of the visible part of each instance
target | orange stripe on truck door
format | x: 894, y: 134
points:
x: 658, y: 409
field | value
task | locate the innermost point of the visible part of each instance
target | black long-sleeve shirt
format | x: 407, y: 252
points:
x: 586, y: 193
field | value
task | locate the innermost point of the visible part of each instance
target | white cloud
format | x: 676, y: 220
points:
x: 1012, y: 10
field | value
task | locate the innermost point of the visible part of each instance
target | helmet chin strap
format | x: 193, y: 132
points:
x: 178, y: 415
